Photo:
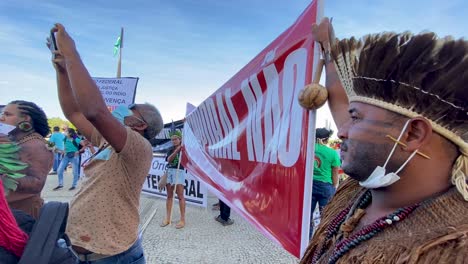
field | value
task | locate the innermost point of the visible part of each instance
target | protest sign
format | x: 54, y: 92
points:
x: 117, y: 91
x: 252, y: 143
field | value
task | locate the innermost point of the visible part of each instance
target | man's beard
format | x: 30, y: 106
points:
x: 362, y: 157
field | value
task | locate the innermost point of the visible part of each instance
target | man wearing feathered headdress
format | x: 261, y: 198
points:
x: 400, y: 102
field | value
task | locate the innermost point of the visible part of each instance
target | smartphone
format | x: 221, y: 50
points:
x: 53, y: 43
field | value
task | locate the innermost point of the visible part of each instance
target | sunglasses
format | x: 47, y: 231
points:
x: 134, y: 107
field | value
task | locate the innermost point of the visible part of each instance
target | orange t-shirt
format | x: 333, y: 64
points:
x: 104, y: 214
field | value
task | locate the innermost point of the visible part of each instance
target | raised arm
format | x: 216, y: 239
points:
x: 337, y: 98
x: 66, y: 98
x: 87, y: 95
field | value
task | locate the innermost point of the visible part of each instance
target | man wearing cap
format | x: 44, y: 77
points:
x: 400, y: 102
x: 104, y: 213
x: 326, y: 166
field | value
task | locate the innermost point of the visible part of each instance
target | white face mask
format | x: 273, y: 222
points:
x: 378, y: 178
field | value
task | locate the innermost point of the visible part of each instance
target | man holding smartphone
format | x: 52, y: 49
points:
x: 104, y: 213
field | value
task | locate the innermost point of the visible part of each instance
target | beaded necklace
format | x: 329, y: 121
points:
x: 30, y: 137
x: 347, y: 243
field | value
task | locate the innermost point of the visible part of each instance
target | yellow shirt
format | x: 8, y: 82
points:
x: 104, y: 214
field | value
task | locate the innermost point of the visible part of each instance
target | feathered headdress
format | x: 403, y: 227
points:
x: 176, y: 133
x: 413, y: 75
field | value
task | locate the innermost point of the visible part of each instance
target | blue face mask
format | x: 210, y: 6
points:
x: 121, y: 112
x: 104, y: 155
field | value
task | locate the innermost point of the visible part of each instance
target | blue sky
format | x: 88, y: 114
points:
x: 183, y: 50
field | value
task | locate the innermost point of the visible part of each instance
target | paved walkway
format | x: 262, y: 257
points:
x: 203, y: 240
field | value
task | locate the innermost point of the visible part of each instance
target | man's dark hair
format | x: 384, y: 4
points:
x: 56, y: 129
x: 38, y: 117
x: 323, y: 133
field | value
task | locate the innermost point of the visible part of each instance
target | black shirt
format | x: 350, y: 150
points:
x: 175, y: 161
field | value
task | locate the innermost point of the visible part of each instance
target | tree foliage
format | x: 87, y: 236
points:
x: 57, y: 121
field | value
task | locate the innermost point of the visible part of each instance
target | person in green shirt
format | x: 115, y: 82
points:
x: 326, y: 166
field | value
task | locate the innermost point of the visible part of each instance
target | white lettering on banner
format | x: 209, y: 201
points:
x: 278, y: 137
x: 257, y: 132
x: 199, y: 126
x: 227, y: 127
x: 291, y: 123
x: 254, y: 123
x: 234, y: 134
x: 207, y: 128
x: 272, y: 115
x: 196, y: 125
x: 216, y: 127
x: 211, y: 118
x: 250, y: 101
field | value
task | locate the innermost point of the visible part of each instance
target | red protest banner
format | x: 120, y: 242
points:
x: 251, y: 142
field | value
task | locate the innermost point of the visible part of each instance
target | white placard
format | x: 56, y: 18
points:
x: 117, y: 91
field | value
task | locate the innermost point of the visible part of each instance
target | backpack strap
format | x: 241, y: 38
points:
x: 46, y: 231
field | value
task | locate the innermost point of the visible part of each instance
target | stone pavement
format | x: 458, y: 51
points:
x: 203, y: 240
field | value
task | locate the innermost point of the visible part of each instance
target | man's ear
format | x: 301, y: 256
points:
x: 141, y: 126
x: 419, y: 133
